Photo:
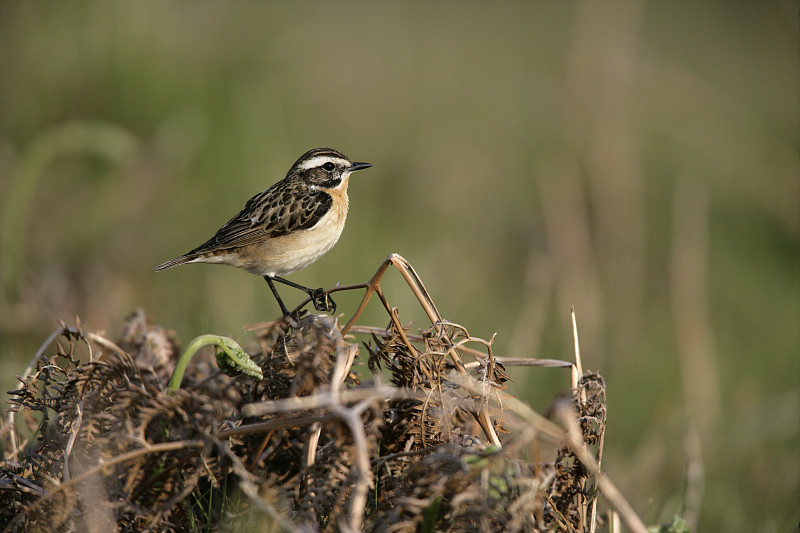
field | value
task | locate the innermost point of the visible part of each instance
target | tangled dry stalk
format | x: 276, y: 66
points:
x: 313, y: 446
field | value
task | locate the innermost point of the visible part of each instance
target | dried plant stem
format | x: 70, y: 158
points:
x: 72, y: 436
x: 105, y: 343
x: 578, y: 362
x: 599, y: 465
x: 323, y: 399
x: 358, y: 499
x: 270, y: 425
x: 582, y: 398
x: 522, y: 361
x: 614, y: 498
x: 563, y: 519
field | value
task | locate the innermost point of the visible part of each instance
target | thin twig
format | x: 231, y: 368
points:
x: 322, y: 399
x: 270, y: 425
x: 521, y: 361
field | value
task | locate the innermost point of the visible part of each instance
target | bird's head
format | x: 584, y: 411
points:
x: 325, y: 168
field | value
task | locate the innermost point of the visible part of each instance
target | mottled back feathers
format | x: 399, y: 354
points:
x: 283, y: 208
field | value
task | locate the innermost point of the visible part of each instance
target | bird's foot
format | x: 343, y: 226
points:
x: 322, y: 301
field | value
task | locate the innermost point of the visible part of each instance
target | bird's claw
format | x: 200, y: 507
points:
x: 322, y: 301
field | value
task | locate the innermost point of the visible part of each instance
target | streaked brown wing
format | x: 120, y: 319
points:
x: 274, y: 212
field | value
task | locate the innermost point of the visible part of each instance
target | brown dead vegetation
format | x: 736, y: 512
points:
x: 428, y: 440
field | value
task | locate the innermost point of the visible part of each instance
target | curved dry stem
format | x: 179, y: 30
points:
x: 358, y: 500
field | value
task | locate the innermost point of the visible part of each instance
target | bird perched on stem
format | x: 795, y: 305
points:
x: 287, y: 227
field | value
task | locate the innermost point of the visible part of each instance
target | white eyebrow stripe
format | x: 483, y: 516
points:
x: 320, y: 160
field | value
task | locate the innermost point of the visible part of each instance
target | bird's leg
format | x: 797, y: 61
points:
x: 321, y: 299
x: 275, y: 292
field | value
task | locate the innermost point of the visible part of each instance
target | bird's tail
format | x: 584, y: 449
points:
x: 186, y: 258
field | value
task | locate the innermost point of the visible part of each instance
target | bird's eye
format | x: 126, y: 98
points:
x: 328, y: 166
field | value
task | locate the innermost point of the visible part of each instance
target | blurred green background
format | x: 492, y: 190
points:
x: 638, y: 160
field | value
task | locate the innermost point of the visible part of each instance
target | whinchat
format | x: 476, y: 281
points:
x: 288, y: 226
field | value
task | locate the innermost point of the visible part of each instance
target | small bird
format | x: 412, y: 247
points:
x: 287, y: 227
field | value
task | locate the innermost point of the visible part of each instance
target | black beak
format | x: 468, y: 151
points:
x: 359, y: 166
